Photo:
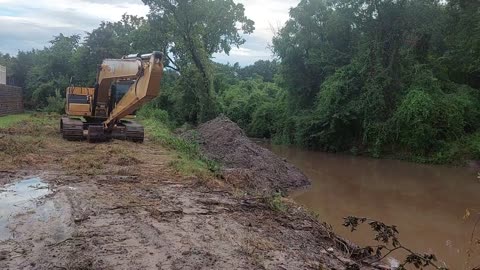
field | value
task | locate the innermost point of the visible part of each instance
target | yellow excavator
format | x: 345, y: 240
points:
x: 105, y: 111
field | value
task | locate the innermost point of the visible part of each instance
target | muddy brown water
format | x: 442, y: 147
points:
x: 426, y: 202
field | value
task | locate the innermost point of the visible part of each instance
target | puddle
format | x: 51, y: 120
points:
x: 18, y: 198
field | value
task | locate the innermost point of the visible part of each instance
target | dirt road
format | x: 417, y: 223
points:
x: 121, y: 205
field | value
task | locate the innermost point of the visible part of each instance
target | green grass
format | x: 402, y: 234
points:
x: 189, y: 160
x: 9, y: 120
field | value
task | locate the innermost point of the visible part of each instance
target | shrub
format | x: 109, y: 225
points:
x: 333, y: 124
x: 150, y: 112
x: 263, y: 121
x: 55, y: 104
x: 429, y: 118
x: 415, y: 119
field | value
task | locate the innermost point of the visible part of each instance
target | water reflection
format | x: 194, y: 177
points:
x: 18, y: 198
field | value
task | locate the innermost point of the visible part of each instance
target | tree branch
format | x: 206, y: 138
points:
x: 176, y: 68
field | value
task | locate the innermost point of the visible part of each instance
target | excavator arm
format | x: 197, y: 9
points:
x: 147, y: 75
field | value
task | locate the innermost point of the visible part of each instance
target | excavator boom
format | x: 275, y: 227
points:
x: 145, y: 88
x: 97, y: 113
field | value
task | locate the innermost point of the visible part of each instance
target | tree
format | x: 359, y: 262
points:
x: 195, y: 30
x: 263, y: 68
x: 370, y: 74
x: 364, y: 75
x: 51, y: 70
x: 131, y: 34
x: 463, y: 39
x: 314, y: 42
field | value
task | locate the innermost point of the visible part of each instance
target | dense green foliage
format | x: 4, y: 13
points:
x: 381, y: 77
x: 378, y: 77
x: 188, y: 32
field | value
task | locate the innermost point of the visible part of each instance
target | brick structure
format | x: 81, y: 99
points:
x: 11, y: 99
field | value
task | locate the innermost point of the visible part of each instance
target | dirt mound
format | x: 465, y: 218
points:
x: 246, y: 164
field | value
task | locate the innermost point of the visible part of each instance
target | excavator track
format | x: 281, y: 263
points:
x: 96, y: 133
x: 72, y: 129
x: 134, y: 131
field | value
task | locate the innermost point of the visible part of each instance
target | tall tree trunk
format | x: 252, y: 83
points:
x: 207, y: 105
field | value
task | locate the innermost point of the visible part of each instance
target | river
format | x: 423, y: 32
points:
x: 426, y: 202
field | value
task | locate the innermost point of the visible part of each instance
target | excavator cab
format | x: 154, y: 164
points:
x: 119, y: 89
x: 105, y: 111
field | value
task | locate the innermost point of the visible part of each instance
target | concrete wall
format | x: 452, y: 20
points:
x: 3, y: 75
x: 11, y: 99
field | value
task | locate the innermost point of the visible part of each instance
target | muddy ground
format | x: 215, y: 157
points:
x: 121, y: 205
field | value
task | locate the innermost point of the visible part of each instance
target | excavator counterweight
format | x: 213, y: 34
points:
x: 106, y: 110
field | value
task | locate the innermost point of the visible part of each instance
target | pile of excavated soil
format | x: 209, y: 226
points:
x: 246, y: 164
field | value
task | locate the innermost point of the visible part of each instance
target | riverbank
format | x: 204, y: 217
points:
x: 462, y: 153
x: 157, y: 205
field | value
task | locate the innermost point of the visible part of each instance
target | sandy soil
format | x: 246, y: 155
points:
x: 120, y: 205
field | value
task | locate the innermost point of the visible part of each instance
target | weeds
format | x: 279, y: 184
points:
x: 102, y: 159
x: 275, y: 202
x: 127, y: 160
x: 18, y: 151
x: 84, y: 164
x: 190, y: 160
x: 254, y: 247
x: 118, y: 155
x: 161, y: 134
x: 189, y: 167
x: 33, y: 124
x: 22, y: 136
x: 20, y: 145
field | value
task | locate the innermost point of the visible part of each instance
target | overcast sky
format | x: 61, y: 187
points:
x: 27, y: 24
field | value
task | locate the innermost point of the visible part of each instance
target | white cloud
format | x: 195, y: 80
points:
x: 269, y: 16
x: 27, y: 24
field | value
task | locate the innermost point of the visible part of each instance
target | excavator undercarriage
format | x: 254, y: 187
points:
x: 105, y: 111
x: 74, y: 129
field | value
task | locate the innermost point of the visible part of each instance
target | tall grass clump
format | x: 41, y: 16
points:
x: 190, y: 158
